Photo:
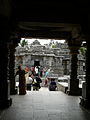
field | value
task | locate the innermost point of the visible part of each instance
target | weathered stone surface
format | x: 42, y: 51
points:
x: 56, y: 59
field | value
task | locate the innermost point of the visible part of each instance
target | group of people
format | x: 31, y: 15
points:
x: 42, y: 72
x: 33, y: 80
x: 37, y: 70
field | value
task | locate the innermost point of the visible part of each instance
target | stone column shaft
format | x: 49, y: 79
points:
x: 65, y: 70
x: 88, y: 66
x: 85, y: 99
x: 5, y: 100
x: 11, y: 69
x: 73, y: 84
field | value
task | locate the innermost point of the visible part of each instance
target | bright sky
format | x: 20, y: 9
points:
x: 42, y: 41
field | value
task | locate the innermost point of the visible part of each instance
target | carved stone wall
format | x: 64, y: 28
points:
x: 56, y: 59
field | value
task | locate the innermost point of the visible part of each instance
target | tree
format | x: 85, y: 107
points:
x: 52, y: 44
x: 23, y: 43
x: 83, y: 51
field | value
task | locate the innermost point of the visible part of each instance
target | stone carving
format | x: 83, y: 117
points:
x: 51, y: 58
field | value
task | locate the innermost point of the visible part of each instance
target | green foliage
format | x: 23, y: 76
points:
x: 83, y: 50
x: 53, y: 46
x: 23, y: 43
x: 51, y: 42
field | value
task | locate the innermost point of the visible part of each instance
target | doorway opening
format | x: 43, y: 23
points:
x: 36, y: 63
x: 51, y: 56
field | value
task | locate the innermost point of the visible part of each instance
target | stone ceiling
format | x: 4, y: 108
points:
x: 49, y: 19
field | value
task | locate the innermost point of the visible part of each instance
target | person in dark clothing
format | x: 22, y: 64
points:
x: 22, y: 80
x: 41, y: 70
x: 33, y: 70
x: 36, y: 82
x: 52, y: 85
x: 38, y: 79
x: 35, y: 86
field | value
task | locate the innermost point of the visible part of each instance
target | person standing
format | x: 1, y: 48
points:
x: 36, y: 83
x: 36, y: 70
x: 46, y: 78
x: 38, y: 79
x: 22, y: 80
x: 44, y: 71
x: 29, y: 82
x: 33, y: 70
x: 41, y: 70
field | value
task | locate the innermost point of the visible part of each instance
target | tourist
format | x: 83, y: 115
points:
x: 46, y: 82
x: 27, y: 69
x: 44, y: 71
x: 52, y: 85
x: 36, y: 83
x: 33, y: 70
x: 36, y: 70
x: 46, y: 78
x: 38, y: 79
x: 41, y: 71
x: 29, y: 82
x: 22, y: 80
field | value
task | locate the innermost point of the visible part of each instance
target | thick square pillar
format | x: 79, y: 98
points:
x: 13, y: 89
x: 5, y: 100
x: 85, y: 99
x: 73, y: 84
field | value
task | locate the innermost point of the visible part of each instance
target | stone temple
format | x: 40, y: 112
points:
x: 56, y: 59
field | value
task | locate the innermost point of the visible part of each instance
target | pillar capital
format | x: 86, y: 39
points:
x: 76, y: 32
x: 74, y: 45
x: 14, y: 39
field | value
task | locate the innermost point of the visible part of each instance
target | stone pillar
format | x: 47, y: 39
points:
x: 65, y: 67
x: 13, y: 90
x: 73, y: 84
x: 5, y: 100
x: 85, y: 99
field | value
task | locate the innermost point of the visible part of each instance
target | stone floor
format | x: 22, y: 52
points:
x: 45, y: 105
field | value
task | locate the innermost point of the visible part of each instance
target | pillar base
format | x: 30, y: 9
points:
x: 74, y: 93
x: 85, y: 103
x: 14, y: 92
x: 22, y: 93
x: 6, y: 103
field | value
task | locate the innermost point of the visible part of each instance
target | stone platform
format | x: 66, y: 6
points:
x: 45, y: 105
x: 63, y: 86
